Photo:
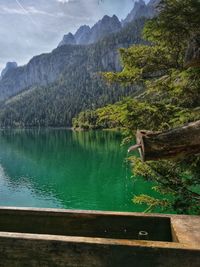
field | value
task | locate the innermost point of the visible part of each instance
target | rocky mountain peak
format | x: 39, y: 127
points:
x: 114, y: 21
x: 82, y: 34
x: 68, y: 39
x: 9, y: 66
x: 139, y: 10
x: 86, y: 35
x: 104, y: 27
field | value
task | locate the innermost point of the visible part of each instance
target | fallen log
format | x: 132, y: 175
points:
x: 175, y: 143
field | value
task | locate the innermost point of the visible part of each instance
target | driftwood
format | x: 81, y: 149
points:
x: 176, y: 143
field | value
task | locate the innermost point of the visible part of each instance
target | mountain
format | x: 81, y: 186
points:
x: 9, y: 66
x: 45, y: 69
x: 68, y: 39
x: 53, y: 88
x: 41, y: 70
x: 103, y: 28
x: 86, y: 35
x: 107, y: 25
x: 82, y: 35
x: 141, y: 9
x: 154, y: 3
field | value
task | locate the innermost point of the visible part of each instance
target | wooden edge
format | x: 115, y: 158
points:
x: 55, y: 212
x: 96, y: 241
x: 186, y: 231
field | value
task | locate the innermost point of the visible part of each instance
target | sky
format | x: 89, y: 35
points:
x: 32, y: 27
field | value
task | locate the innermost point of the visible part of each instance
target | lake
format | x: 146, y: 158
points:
x: 58, y: 168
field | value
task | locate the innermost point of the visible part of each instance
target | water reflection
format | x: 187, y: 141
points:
x: 59, y: 168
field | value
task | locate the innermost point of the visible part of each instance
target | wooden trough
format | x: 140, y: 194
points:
x: 46, y: 237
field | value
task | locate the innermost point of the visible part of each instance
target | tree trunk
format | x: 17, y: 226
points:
x: 176, y: 143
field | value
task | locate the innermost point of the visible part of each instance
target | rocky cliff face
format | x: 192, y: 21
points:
x: 86, y: 35
x: 41, y: 70
x: 9, y: 66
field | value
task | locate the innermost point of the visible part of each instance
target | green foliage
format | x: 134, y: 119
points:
x: 152, y: 202
x: 178, y: 21
x: 141, y: 62
x: 179, y: 88
x: 171, y: 98
x: 177, y: 179
x: 131, y: 114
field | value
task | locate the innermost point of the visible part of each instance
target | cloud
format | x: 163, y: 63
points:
x: 21, y: 39
x: 15, y: 11
x: 19, y: 11
x: 34, y: 11
x: 65, y: 1
x: 30, y: 10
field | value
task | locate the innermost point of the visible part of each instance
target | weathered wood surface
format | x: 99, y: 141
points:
x: 187, y: 231
x: 84, y: 224
x: 21, y: 249
x: 175, y: 143
x: 45, y: 251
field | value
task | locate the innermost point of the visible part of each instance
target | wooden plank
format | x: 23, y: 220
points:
x: 28, y: 250
x: 84, y: 224
x: 187, y: 231
x: 35, y: 250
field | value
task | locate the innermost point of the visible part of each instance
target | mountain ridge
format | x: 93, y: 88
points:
x: 46, y: 68
x: 76, y: 88
x: 86, y: 35
x: 54, y: 87
x: 107, y: 25
x: 141, y: 9
x: 9, y: 66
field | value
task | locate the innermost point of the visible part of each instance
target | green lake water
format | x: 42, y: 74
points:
x: 65, y: 169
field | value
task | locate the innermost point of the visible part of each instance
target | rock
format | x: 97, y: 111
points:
x: 104, y: 27
x: 9, y: 66
x: 86, y: 35
x: 68, y: 39
x: 154, y: 3
x: 82, y: 35
x: 140, y: 9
